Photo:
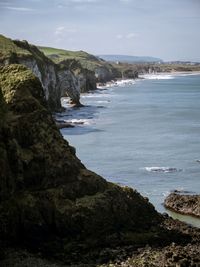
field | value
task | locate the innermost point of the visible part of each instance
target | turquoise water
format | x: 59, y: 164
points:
x: 128, y: 130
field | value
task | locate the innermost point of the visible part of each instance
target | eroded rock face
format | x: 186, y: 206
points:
x: 48, y: 199
x: 184, y: 204
x: 86, y: 80
x: 56, y: 80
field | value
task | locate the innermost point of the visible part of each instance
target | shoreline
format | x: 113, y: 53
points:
x: 188, y: 219
x: 126, y: 81
x: 121, y: 83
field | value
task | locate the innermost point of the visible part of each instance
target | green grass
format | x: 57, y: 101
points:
x: 87, y: 60
x: 8, y: 47
x: 66, y: 54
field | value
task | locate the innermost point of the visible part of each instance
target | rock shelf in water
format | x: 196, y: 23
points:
x: 184, y: 204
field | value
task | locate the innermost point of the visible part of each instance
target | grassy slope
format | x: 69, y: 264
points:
x: 58, y: 55
x: 86, y: 60
x: 7, y: 47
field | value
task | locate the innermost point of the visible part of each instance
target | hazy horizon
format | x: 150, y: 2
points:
x: 164, y: 29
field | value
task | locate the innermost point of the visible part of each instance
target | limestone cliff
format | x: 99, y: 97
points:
x: 86, y: 78
x: 94, y: 66
x: 56, y: 80
x: 48, y: 199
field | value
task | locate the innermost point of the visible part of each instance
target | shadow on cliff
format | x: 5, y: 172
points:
x: 49, y: 202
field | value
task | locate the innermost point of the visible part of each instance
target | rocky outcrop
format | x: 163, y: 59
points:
x: 184, y: 204
x: 48, y: 199
x: 49, y: 202
x: 106, y: 73
x: 57, y: 80
x: 86, y: 78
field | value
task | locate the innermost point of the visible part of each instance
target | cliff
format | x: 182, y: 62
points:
x: 43, y: 177
x: 49, y: 202
x: 57, y: 79
x: 102, y: 70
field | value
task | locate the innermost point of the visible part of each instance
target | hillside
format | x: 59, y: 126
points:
x: 58, y: 55
x: 8, y: 48
x: 129, y: 59
x: 103, y: 70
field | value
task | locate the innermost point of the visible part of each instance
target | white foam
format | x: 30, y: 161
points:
x: 162, y: 169
x: 93, y: 95
x: 81, y: 121
x: 157, y: 76
x: 166, y: 193
x: 125, y: 82
x: 118, y: 83
x: 103, y: 101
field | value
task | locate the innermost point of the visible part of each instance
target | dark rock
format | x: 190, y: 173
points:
x: 64, y: 124
x: 48, y: 199
x: 184, y: 204
x: 52, y: 205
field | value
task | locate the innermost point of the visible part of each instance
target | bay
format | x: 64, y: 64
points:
x: 144, y: 135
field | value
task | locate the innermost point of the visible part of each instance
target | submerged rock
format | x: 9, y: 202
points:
x: 184, y: 204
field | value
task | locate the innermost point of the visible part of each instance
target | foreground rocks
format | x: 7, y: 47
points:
x: 172, y: 255
x: 50, y: 204
x: 184, y: 204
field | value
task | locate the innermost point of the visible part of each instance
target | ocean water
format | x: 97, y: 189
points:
x: 145, y: 135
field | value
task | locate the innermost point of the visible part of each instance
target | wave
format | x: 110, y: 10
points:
x: 118, y: 83
x: 124, y: 82
x: 80, y: 121
x: 93, y: 95
x: 162, y: 169
x: 157, y: 76
x: 103, y: 101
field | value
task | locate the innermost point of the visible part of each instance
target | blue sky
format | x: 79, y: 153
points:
x: 168, y: 29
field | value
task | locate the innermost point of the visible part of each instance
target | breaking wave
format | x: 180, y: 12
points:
x: 157, y: 76
x: 162, y: 169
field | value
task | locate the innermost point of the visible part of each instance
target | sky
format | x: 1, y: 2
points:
x: 167, y: 29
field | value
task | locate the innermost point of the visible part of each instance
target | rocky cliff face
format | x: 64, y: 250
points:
x: 86, y: 80
x: 49, y: 202
x: 57, y: 80
x: 48, y: 199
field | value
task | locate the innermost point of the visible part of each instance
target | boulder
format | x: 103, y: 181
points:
x: 184, y: 204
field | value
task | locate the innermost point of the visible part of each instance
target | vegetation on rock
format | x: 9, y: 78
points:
x: 49, y: 202
x: 65, y: 79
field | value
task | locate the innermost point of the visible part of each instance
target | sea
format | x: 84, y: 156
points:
x: 142, y: 133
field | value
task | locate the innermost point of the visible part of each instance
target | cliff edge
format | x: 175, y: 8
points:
x: 49, y: 202
x: 46, y: 192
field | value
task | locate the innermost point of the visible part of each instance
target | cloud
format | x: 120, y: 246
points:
x: 84, y: 1
x: 62, y: 31
x: 119, y: 36
x: 127, y: 36
x: 24, y: 9
x: 131, y: 35
x: 125, y: 1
